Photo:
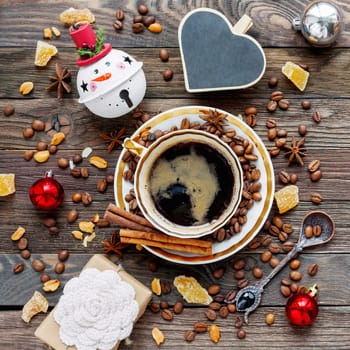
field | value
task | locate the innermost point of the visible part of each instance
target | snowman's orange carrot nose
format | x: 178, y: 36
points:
x: 103, y: 77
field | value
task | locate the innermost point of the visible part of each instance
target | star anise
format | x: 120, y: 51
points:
x: 60, y: 82
x: 296, y: 151
x: 214, y: 118
x: 113, y: 245
x: 113, y: 138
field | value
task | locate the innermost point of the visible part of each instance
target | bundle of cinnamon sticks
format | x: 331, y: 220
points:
x: 136, y: 229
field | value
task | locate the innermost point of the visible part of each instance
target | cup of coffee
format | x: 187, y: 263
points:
x: 188, y: 183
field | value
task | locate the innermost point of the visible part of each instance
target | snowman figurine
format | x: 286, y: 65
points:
x: 110, y: 82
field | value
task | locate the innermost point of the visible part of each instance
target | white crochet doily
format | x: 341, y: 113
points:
x: 96, y: 310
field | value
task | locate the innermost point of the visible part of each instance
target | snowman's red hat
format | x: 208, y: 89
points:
x: 90, y: 48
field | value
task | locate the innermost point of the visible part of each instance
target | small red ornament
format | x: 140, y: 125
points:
x: 46, y: 193
x: 302, y: 308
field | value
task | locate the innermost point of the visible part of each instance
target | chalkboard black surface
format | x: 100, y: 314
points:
x: 214, y: 56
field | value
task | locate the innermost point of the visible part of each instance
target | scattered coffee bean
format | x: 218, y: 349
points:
x: 75, y: 172
x: 257, y: 272
x: 239, y: 264
x: 60, y: 267
x: 271, y: 123
x: 294, y: 264
x: 8, y: 110
x: 41, y: 146
x: 168, y: 74
x: 189, y: 335
x: 101, y: 185
x: 38, y: 125
x: 63, y: 163
x: 218, y: 273
x: 239, y: 274
x: 110, y: 178
x: 277, y: 220
x: 266, y: 256
x: 142, y: 9
x: 138, y: 19
x: 285, y: 291
x: 274, y: 262
x: 219, y: 298
x: 286, y: 281
x: 294, y: 287
x: 271, y: 133
x: 155, y: 307
x: 38, y: 265
x: 118, y: 25
x: 22, y: 243
x: 54, y: 230
x: 28, y: 155
x: 238, y: 322
x: 18, y: 267
x: 284, y: 177
x: 274, y: 248
x: 119, y: 15
x: 165, y: 287
x: 241, y: 334
x: 164, y: 55
x: 250, y: 110
x: 77, y: 158
x: 316, y: 176
x: 312, y: 269
x: 148, y: 20
x: 152, y: 266
x: 210, y: 314
x: 316, y: 198
x: 164, y: 304
x: 242, y: 283
x: 306, y: 104
x: 25, y: 254
x: 288, y: 246
x: 52, y: 149
x: 276, y: 96
x: 317, y: 230
x: 223, y: 312
x: 76, y: 197
x: 302, y: 129
x: 282, y: 133
x: 308, y: 231
x: 295, y: 275
x: 138, y: 27
x: 271, y: 106
x: 178, y: 307
x: 293, y: 178
x: 269, y: 319
x: 274, y: 151
x: 283, y: 104
x: 273, y: 81
x: 72, y: 216
x: 214, y: 289
x: 231, y: 308
x: 86, y: 198
x: 230, y: 296
x: 251, y: 120
x: 314, y: 165
x: 49, y: 221
x: 44, y: 277
x: 63, y: 255
x: 316, y: 117
x: 84, y: 172
x: 28, y: 133
x: 167, y: 315
x: 214, y: 306
x: 200, y: 327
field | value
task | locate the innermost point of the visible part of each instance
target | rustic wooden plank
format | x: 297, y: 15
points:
x: 326, y: 74
x: 21, y: 26
x: 16, y: 289
x: 331, y: 327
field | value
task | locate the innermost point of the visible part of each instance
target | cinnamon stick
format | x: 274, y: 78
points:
x: 130, y: 216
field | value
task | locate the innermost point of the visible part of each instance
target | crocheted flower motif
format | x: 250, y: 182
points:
x: 96, y: 310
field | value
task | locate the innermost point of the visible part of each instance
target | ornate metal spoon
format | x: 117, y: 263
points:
x: 248, y: 298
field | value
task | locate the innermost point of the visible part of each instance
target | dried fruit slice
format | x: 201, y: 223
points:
x: 73, y: 15
x: 158, y: 336
x: 34, y: 305
x: 297, y: 75
x: 43, y: 53
x: 155, y: 285
x: 7, y: 184
x: 191, y: 290
x: 287, y: 198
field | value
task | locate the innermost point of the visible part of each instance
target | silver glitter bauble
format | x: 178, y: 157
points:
x: 320, y: 23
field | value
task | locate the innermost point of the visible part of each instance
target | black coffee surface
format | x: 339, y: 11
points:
x: 191, y: 184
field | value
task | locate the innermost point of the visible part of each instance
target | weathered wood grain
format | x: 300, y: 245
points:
x: 21, y: 24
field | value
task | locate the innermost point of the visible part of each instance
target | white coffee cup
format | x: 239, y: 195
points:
x: 163, y: 163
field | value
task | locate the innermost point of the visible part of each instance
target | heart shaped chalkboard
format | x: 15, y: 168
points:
x: 217, y: 56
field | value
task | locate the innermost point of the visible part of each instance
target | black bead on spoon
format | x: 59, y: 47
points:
x: 249, y: 298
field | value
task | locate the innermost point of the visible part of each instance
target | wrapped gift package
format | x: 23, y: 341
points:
x: 48, y: 331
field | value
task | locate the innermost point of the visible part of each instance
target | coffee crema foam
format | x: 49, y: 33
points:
x: 184, y: 183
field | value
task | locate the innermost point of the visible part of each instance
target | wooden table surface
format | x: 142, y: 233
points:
x: 328, y: 90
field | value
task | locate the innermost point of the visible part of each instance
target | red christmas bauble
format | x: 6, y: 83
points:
x: 46, y: 193
x: 302, y: 308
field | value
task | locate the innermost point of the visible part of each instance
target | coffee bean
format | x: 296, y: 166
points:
x: 271, y: 133
x: 288, y: 246
x: 316, y: 117
x: 308, y: 231
x: 230, y: 296
x: 152, y: 266
x: 283, y: 236
x: 38, y: 265
x: 165, y: 287
x: 189, y: 335
x: 210, y: 314
x: 28, y: 133
x: 63, y: 255
x: 295, y: 275
x: 239, y: 274
x: 274, y: 262
x: 41, y: 146
x: 53, y: 149
x: 28, y: 155
x: 119, y: 15
x: 273, y: 81
x: 274, y: 248
x: 316, y: 176
x: 286, y: 281
x: 101, y: 185
x: 277, y: 221
x: 293, y: 178
x: 283, y: 104
x: 287, y: 228
x: 167, y: 315
x: 223, y: 312
x: 214, y: 289
x: 302, y: 129
x: 219, y: 298
x: 138, y: 27
x: 242, y: 283
x: 200, y: 327
x: 250, y: 110
x: 168, y: 74
x: 49, y: 221
x: 75, y: 172
x: 148, y: 20
x: 218, y: 273
x: 76, y: 197
x: 251, y: 120
x: 266, y: 256
x: 60, y: 267
x: 238, y: 322
x: 316, y: 198
x: 25, y: 254
x: 294, y: 287
x: 306, y: 104
x: 274, y: 231
x: 63, y: 163
x: 241, y: 334
x: 294, y: 264
x: 239, y: 264
x: 155, y: 307
x: 312, y: 269
x: 271, y: 106
x: 8, y: 110
x: 142, y: 9
x: 276, y: 96
x: 231, y: 308
x: 110, y: 178
x: 284, y: 177
x: 44, y: 277
x: 164, y: 55
x: 214, y: 306
x: 257, y: 272
x: 317, y: 230
x: 178, y: 307
x: 314, y: 165
x: 266, y: 240
x: 72, y: 216
x: 54, y: 230
x: 86, y: 198
x: 281, y: 142
x: 118, y: 24
x: 138, y: 19
x: 271, y: 123
x: 164, y: 304
x: 285, y: 291
x: 22, y: 243
x: 84, y: 172
x: 269, y: 319
x: 18, y: 267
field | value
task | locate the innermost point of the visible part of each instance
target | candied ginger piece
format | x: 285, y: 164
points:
x: 72, y: 15
x: 7, y: 184
x: 191, y: 290
x: 43, y: 53
x: 297, y: 75
x: 37, y: 303
x: 287, y: 198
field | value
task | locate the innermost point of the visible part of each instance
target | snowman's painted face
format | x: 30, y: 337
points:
x: 106, y: 74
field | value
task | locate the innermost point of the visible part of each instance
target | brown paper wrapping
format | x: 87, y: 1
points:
x: 48, y: 331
